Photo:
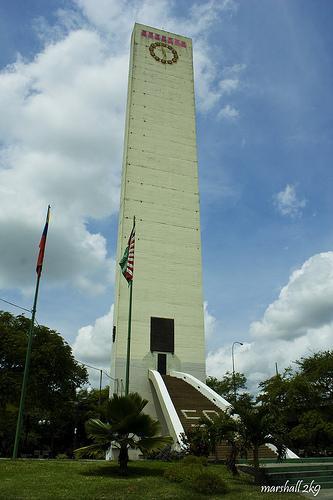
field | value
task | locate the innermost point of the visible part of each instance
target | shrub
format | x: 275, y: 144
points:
x: 180, y: 473
x: 175, y: 474
x: 61, y: 456
x: 192, y: 459
x: 167, y: 454
x: 209, y: 483
x: 197, y: 442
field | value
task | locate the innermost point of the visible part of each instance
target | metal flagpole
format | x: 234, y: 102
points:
x: 26, y: 373
x: 129, y: 339
x: 130, y: 269
x: 39, y: 267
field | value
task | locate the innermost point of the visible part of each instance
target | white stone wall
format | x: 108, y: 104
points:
x: 160, y: 187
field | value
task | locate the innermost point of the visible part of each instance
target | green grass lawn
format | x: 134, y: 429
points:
x: 83, y: 480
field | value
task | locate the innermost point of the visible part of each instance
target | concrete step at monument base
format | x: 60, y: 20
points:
x: 323, y: 477
x: 300, y: 474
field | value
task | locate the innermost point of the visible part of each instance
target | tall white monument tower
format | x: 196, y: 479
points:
x: 160, y: 188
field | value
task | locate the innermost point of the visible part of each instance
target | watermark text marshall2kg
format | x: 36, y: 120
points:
x: 299, y: 487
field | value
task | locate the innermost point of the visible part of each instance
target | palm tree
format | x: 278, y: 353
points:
x: 257, y: 427
x: 221, y: 428
x: 126, y: 427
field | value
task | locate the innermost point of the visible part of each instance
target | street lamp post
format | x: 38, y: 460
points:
x: 233, y: 367
x: 100, y: 379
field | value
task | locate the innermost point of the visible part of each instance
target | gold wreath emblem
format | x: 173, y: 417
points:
x: 163, y: 59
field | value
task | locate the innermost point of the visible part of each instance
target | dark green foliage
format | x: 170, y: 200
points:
x: 209, y: 483
x: 197, y: 442
x: 256, y: 427
x: 125, y: 427
x: 223, y: 427
x: 312, y: 428
x: 226, y: 386
x: 88, y: 404
x: 166, y: 454
x: 54, y: 377
x: 301, y: 402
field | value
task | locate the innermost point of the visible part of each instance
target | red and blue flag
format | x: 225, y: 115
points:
x: 42, y: 244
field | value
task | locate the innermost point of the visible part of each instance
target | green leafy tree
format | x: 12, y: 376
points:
x: 312, y: 430
x: 301, y: 400
x: 54, y: 376
x: 318, y: 370
x: 89, y: 403
x: 227, y: 385
x: 125, y: 427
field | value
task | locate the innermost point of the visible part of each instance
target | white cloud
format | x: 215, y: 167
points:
x: 93, y: 345
x: 229, y: 85
x: 287, y: 202
x: 210, y: 322
x: 61, y: 125
x: 234, y: 70
x: 228, y: 112
x: 117, y: 17
x: 298, y: 323
x: 304, y: 303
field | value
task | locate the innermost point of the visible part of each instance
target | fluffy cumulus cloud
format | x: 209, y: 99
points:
x: 210, y: 322
x: 228, y: 112
x: 298, y: 323
x: 93, y: 345
x: 118, y: 18
x: 288, y: 203
x: 61, y: 122
x: 61, y: 125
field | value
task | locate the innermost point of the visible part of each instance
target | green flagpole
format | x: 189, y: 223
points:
x: 129, y: 339
x: 26, y: 373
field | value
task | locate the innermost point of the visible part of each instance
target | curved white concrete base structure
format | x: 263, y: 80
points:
x: 289, y: 453
x: 174, y: 425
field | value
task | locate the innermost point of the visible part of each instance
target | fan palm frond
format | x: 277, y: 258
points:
x: 120, y: 407
x: 98, y: 430
x: 153, y: 443
x: 92, y: 450
x: 127, y: 427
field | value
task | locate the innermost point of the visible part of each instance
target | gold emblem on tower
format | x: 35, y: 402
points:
x: 164, y: 53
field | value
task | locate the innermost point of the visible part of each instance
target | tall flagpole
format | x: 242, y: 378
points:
x: 127, y: 268
x: 30, y: 337
x: 26, y: 373
x: 129, y: 338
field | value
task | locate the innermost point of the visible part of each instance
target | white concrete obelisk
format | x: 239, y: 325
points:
x: 160, y: 188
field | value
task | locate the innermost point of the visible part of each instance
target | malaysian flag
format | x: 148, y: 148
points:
x: 127, y: 262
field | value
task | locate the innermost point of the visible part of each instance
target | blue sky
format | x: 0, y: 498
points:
x: 263, y: 74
